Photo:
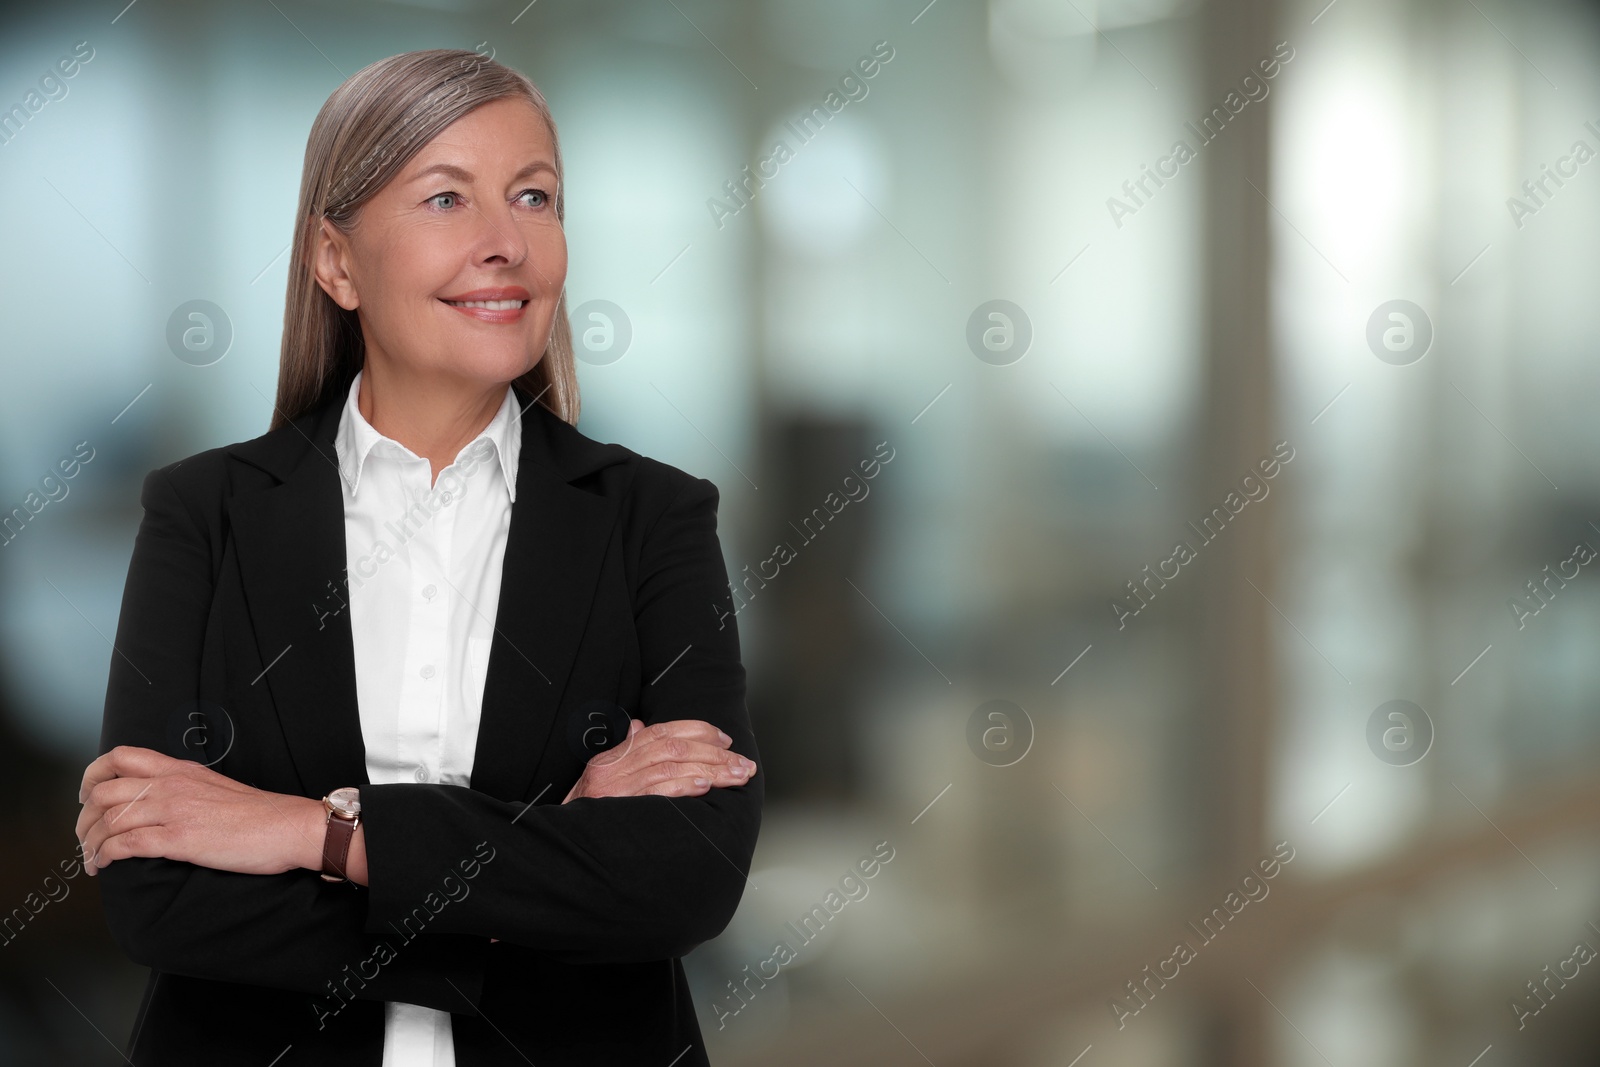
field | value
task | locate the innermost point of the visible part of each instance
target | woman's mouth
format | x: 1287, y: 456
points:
x: 490, y: 310
x: 492, y: 305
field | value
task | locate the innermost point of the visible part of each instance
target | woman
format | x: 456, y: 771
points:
x: 300, y: 820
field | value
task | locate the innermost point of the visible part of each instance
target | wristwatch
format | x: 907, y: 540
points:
x: 344, y: 815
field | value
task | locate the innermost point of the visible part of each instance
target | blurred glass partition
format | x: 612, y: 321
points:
x: 1157, y: 485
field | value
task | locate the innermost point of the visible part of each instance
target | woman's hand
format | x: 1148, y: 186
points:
x: 139, y: 802
x: 679, y: 758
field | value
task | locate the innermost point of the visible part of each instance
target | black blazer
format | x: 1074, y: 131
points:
x: 233, y: 642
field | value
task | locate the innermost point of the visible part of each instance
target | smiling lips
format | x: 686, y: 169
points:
x: 491, y: 305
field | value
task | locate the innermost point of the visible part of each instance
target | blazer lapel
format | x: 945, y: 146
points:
x: 290, y: 541
x: 291, y: 546
x: 554, y: 550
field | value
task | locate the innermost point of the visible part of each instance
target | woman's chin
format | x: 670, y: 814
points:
x: 478, y: 367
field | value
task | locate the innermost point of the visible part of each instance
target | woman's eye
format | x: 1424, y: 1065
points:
x: 452, y: 199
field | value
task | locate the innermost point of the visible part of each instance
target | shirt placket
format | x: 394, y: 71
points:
x: 427, y: 662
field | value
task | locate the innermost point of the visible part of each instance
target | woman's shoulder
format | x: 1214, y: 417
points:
x: 649, y: 483
x: 644, y: 489
x: 207, y: 480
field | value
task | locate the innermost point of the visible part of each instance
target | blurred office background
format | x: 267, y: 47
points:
x: 1151, y: 353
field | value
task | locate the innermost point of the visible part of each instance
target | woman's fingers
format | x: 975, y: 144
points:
x: 685, y: 740
x: 714, y: 773
x: 117, y: 808
x: 671, y: 778
x: 678, y: 757
x: 634, y: 749
x: 152, y: 840
x: 720, y: 764
x: 692, y: 782
x: 125, y: 761
x: 100, y: 799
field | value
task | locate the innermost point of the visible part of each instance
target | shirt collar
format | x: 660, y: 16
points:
x: 356, y: 438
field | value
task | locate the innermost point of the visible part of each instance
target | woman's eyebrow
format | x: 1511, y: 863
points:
x: 461, y: 174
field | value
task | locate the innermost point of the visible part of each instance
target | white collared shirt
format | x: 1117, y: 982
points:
x: 424, y: 565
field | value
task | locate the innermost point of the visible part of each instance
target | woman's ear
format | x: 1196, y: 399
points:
x: 330, y: 257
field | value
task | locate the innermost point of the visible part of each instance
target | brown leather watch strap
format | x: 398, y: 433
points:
x: 336, y: 846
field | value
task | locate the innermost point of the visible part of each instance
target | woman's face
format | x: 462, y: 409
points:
x: 471, y: 217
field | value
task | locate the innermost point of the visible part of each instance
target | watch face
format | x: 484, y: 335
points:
x: 346, y: 800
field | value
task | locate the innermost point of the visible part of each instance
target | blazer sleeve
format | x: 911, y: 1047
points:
x: 288, y: 931
x: 601, y: 879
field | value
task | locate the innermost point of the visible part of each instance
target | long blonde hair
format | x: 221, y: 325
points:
x: 367, y: 130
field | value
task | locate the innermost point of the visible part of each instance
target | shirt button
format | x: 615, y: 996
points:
x: 421, y: 774
x: 427, y: 672
x: 445, y: 497
x: 428, y: 591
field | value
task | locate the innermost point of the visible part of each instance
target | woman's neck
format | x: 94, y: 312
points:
x: 434, y: 417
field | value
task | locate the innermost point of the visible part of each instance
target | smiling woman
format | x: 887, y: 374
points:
x: 376, y: 748
x: 430, y: 207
